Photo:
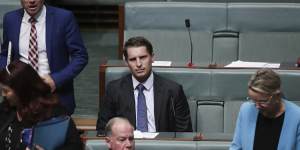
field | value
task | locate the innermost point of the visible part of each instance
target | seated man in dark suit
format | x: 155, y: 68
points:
x: 151, y: 103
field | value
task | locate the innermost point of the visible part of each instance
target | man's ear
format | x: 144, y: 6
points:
x: 153, y: 58
x: 123, y: 57
x: 108, y: 142
x: 125, y: 60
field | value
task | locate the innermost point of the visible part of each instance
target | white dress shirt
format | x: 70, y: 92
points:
x: 149, y: 95
x: 41, y: 40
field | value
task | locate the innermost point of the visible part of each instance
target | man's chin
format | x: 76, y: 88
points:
x: 140, y: 74
x: 140, y: 78
x: 32, y: 12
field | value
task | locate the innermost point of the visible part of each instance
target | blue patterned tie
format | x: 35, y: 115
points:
x: 142, y: 121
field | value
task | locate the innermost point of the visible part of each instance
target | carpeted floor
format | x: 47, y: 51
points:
x: 101, y: 45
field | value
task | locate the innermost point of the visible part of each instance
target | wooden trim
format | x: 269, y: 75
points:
x: 121, y: 24
x: 85, y: 124
x: 102, y: 70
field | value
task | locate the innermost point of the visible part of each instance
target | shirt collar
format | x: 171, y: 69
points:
x: 148, y: 84
x: 41, y: 16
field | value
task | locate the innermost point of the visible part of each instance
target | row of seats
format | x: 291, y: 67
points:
x: 221, y: 32
x: 165, y: 145
x: 215, y: 95
x: 118, y: 2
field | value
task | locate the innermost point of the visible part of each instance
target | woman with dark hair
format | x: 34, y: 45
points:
x: 27, y: 100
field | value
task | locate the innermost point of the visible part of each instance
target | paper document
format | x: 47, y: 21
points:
x: 147, y: 135
x: 246, y: 64
x: 162, y: 63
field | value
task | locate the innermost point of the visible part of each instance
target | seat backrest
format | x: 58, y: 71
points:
x: 268, y: 32
x: 240, y: 1
x: 213, y: 145
x: 114, y: 73
x: 165, y: 145
x: 290, y: 84
x: 172, y: 15
x: 230, y: 86
x: 193, y: 81
x: 163, y: 23
x: 210, y: 116
x: 6, y: 6
x: 99, y: 2
x: 95, y: 145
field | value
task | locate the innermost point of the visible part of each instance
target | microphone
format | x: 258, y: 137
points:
x: 174, y: 114
x: 188, y: 26
x: 187, y: 23
x: 198, y: 137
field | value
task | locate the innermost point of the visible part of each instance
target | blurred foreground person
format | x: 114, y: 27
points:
x: 27, y: 100
x: 47, y: 38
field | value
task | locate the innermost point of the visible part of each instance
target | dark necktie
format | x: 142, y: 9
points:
x: 33, y: 54
x: 142, y: 121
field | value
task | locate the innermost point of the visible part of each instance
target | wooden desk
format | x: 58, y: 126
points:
x: 224, y: 138
x: 177, y: 136
x: 85, y: 124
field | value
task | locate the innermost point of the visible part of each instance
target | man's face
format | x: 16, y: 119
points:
x: 139, y: 62
x: 122, y: 137
x: 32, y: 7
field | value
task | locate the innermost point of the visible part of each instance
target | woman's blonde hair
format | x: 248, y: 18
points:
x: 265, y: 81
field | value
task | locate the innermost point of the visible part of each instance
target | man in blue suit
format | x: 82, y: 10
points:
x: 54, y: 34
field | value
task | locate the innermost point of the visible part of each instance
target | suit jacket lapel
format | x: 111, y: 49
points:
x: 49, y: 32
x: 158, y: 94
x: 129, y: 96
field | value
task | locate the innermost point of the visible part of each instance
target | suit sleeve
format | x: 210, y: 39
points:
x: 298, y: 138
x: 236, y: 142
x: 77, y: 51
x: 182, y: 111
x: 4, y: 45
x: 106, y: 110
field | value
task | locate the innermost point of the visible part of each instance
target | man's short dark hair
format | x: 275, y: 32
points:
x: 137, y: 42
